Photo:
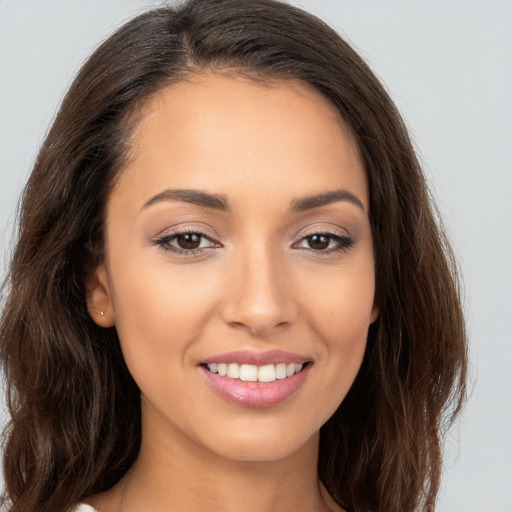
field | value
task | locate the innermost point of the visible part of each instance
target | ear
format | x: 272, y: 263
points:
x: 374, y: 314
x: 99, y: 299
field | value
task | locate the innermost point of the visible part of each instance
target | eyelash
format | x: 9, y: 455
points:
x: 165, y: 241
x: 345, y: 242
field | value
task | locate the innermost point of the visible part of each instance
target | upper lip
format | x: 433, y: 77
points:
x: 257, y: 358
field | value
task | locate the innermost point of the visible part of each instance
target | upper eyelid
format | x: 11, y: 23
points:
x: 213, y: 236
x: 166, y: 238
x: 333, y: 231
x: 165, y: 242
x: 179, y: 230
x: 174, y: 235
x: 346, y: 238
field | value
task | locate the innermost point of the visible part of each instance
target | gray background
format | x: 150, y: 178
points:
x: 447, y: 64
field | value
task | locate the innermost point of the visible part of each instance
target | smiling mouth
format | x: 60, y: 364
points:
x: 254, y: 373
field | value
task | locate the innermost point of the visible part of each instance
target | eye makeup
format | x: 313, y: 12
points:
x: 326, y: 242
x: 189, y: 242
x: 186, y: 241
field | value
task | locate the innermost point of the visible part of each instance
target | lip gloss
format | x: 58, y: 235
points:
x: 255, y: 394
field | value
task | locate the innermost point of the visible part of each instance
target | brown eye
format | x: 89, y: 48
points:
x: 318, y: 242
x: 189, y: 241
x: 325, y: 243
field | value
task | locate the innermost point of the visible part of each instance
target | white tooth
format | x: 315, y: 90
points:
x: 267, y: 373
x: 298, y: 367
x: 233, y: 371
x: 290, y: 369
x: 213, y: 367
x: 222, y: 369
x: 281, y: 370
x: 248, y: 372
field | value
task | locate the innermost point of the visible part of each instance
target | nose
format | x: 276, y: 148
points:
x: 259, y: 294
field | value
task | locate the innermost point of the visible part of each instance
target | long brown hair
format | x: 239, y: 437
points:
x: 75, y: 427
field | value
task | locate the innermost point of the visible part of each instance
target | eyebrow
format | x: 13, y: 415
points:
x: 207, y: 200
x: 219, y: 202
x: 303, y: 204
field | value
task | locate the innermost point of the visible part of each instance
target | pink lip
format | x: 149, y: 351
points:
x: 257, y: 358
x: 255, y: 394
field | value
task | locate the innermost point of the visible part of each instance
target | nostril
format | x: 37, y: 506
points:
x: 258, y: 309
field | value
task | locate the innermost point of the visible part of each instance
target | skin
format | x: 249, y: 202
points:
x: 258, y: 283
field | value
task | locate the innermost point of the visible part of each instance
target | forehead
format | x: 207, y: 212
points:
x: 215, y: 132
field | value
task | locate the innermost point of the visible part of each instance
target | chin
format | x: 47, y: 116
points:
x: 262, y: 444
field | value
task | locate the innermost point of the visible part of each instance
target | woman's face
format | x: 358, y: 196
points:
x: 238, y: 241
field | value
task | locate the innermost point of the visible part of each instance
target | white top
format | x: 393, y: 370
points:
x: 82, y: 507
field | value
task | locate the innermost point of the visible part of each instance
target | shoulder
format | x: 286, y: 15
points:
x: 82, y: 507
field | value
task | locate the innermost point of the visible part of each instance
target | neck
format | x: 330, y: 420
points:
x: 178, y: 474
x: 198, y: 480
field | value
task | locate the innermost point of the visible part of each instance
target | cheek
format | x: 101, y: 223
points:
x: 341, y: 316
x: 159, y: 315
x: 160, y: 309
x: 344, y: 333
x: 343, y: 306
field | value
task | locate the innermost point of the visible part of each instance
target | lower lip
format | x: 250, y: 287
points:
x: 256, y: 394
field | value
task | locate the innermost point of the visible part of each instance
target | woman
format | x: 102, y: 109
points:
x: 229, y: 290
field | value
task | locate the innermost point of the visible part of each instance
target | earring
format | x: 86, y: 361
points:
x: 100, y: 313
